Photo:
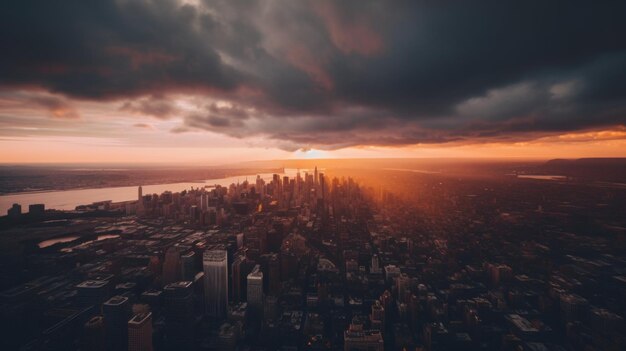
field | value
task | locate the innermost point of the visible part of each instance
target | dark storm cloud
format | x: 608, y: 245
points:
x: 108, y: 49
x: 334, y: 74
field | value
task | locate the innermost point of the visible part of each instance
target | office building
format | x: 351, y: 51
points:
x: 116, y: 312
x: 255, y: 291
x: 140, y: 332
x: 188, y: 266
x: 92, y: 292
x: 356, y: 338
x: 179, y: 315
x: 171, y: 266
x: 93, y: 334
x: 215, y: 265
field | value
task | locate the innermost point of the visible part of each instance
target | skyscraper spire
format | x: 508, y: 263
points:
x: 140, y: 200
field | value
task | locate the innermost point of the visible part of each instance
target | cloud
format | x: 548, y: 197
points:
x: 143, y: 126
x: 323, y: 74
x: 154, y: 106
x: 57, y: 107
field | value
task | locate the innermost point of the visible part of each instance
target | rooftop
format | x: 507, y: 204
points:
x: 140, y: 318
x: 178, y: 285
x: 116, y: 301
x: 214, y: 255
x: 92, y: 284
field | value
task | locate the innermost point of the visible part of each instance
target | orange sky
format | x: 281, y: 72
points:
x: 67, y: 149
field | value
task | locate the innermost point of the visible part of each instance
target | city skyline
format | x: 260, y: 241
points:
x: 190, y: 81
x: 322, y: 261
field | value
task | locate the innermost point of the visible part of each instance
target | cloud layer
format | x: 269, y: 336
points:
x: 327, y: 74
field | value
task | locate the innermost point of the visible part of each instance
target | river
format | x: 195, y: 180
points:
x: 69, y: 199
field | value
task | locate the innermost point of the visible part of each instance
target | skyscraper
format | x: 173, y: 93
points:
x: 140, y: 200
x: 322, y: 186
x: 273, y: 270
x: 171, y: 266
x: 255, y: 291
x: 236, y: 278
x: 93, y: 334
x: 179, y: 315
x: 188, y: 265
x: 116, y: 312
x: 92, y: 292
x: 215, y: 266
x: 140, y: 332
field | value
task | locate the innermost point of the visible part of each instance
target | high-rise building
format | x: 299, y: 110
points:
x: 377, y: 316
x: 215, y: 265
x: 188, y: 266
x: 15, y: 211
x: 171, y: 266
x: 375, y: 265
x: 402, y: 285
x: 179, y: 315
x: 322, y: 187
x: 92, y: 292
x: 237, y: 283
x: 140, y: 332
x: 255, y: 291
x: 93, y: 334
x: 241, y: 267
x: 154, y: 299
x: 116, y: 312
x: 270, y: 308
x: 356, y: 338
x: 273, y: 270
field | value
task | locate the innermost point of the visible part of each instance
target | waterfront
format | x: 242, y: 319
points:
x: 68, y: 199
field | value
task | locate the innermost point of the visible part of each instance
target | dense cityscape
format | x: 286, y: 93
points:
x: 320, y: 262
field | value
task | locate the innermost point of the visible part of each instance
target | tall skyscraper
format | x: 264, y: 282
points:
x: 322, y: 186
x: 171, y: 266
x: 273, y: 270
x: 375, y: 265
x: 116, y: 312
x: 236, y: 278
x: 402, y: 285
x: 215, y: 264
x: 140, y: 332
x: 179, y: 315
x: 93, y: 334
x: 188, y: 266
x: 255, y: 291
x: 140, y: 200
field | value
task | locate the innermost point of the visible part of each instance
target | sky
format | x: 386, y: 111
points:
x: 221, y: 81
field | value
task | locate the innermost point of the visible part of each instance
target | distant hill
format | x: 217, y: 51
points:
x: 605, y: 169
